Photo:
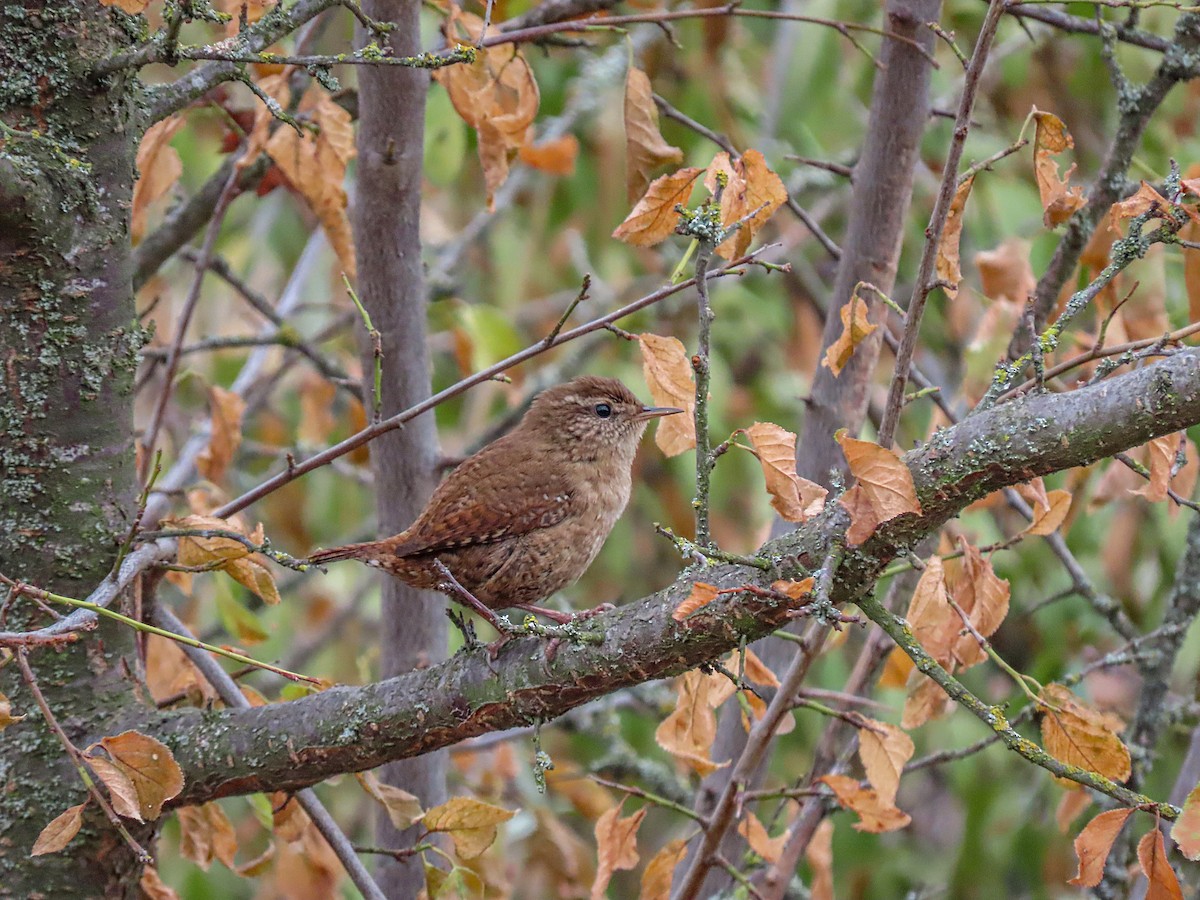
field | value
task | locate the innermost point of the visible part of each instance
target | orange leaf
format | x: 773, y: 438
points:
x: 702, y: 594
x: 148, y: 765
x: 654, y: 218
x: 402, y: 807
x: 925, y: 700
x: 1005, y: 273
x: 226, y: 409
x: 660, y: 871
x: 158, y: 166
x: 1161, y: 456
x: 1048, y: 517
x: 668, y: 373
x: 855, y: 329
x: 496, y: 95
x: 315, y: 167
x: 555, y: 157
x: 59, y: 832
x: 1191, y: 269
x: 884, y: 749
x: 756, y: 670
x: 933, y: 621
x: 6, y: 716
x: 205, y: 834
x: 1152, y: 854
x: 1186, y: 830
x: 1058, y: 200
x: 1094, y: 843
x: 751, y: 190
x: 470, y: 823
x: 153, y: 887
x: 760, y: 842
x: 1145, y: 199
x: 796, y: 590
x: 1070, y: 805
x: 896, y: 669
x: 819, y: 854
x: 1078, y: 735
x: 616, y: 845
x: 133, y: 7
x: 884, y: 490
x: 983, y: 597
x: 949, y: 269
x: 875, y: 816
x: 688, y: 732
x: 645, y: 149
x: 796, y: 499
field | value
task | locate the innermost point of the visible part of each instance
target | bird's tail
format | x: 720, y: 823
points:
x: 349, y: 551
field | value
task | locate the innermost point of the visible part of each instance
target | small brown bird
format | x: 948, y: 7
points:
x: 526, y: 515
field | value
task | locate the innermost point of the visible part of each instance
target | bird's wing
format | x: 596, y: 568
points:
x: 481, y: 502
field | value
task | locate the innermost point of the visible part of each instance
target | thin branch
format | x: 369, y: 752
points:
x: 937, y: 223
x: 233, y: 697
x: 77, y: 760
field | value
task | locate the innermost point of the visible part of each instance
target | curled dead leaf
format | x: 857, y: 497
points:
x: 668, y: 373
x: 796, y: 499
x: 884, y: 489
x: 653, y: 218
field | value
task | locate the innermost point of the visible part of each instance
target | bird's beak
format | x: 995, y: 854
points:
x: 654, y: 412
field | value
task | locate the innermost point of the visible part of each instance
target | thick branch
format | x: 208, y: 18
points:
x: 292, y: 745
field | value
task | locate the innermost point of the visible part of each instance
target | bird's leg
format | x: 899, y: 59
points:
x: 451, y: 585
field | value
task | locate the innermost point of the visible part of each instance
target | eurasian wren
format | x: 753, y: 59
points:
x: 527, y: 514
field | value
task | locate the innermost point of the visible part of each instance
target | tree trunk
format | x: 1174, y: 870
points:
x: 387, y: 237
x: 68, y: 350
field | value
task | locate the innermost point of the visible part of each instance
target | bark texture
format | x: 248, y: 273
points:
x: 388, y: 243
x: 68, y: 349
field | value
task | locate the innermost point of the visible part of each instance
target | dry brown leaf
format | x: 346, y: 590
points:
x: 796, y: 590
x: 645, y: 149
x: 402, y: 807
x: 751, y: 190
x: 875, y: 816
x: 1048, y: 517
x: 470, y: 823
x: 1186, y: 830
x: 1078, y: 735
x: 288, y: 820
x: 668, y: 373
x: 6, y: 716
x: 1006, y: 273
x: 315, y: 166
x: 226, y: 409
x: 226, y: 554
x: 255, y: 577
x: 884, y: 489
x: 148, y: 765
x: 653, y: 218
x: 554, y: 157
x: 159, y: 167
x: 1070, y: 805
x: 153, y: 887
x: 896, y: 669
x: 1145, y: 199
x: 1093, y: 844
x: 925, y: 701
x: 702, y: 594
x: 755, y: 669
x: 760, y: 842
x: 796, y: 499
x: 59, y: 832
x: 616, y: 846
x: 205, y: 834
x: 855, y: 328
x: 884, y: 749
x: 933, y: 621
x: 688, y: 732
x: 1160, y: 458
x: 659, y: 872
x: 819, y: 854
x: 1152, y: 854
x: 1058, y: 200
x: 949, y: 268
x: 1191, y: 269
x: 496, y: 95
x: 121, y: 792
x: 983, y: 596
x: 133, y: 7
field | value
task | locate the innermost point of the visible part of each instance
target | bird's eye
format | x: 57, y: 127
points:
x: 603, y: 410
